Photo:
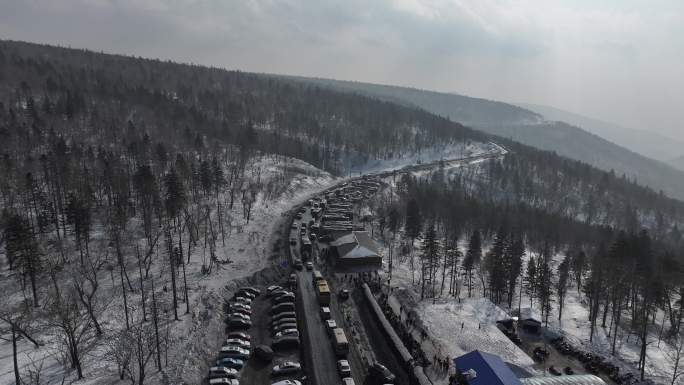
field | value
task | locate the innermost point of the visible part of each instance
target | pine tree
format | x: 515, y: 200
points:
x: 429, y: 259
x: 514, y: 254
x: 562, y: 284
x: 495, y: 266
x: 472, y: 258
x: 22, y: 250
x: 544, y: 283
x: 413, y: 219
x: 531, y: 277
x: 175, y: 194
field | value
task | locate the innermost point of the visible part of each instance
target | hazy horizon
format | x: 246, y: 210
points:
x: 617, y: 61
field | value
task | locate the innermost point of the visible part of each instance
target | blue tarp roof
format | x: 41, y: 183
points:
x: 489, y: 369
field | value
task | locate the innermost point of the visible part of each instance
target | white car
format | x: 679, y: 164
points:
x: 348, y: 381
x: 287, y: 332
x: 237, y: 342
x: 240, y: 315
x: 287, y: 367
x: 344, y: 368
x: 240, y: 306
x: 243, y: 300
x: 222, y: 372
x: 331, y: 324
x: 271, y: 289
x: 240, y: 335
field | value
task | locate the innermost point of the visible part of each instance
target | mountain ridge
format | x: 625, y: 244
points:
x: 525, y: 126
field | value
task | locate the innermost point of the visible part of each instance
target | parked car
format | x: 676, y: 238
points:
x: 293, y: 279
x: 222, y: 372
x: 246, y: 294
x: 239, y: 323
x: 284, y: 320
x: 309, y: 265
x: 241, y: 312
x: 286, y: 297
x: 379, y: 373
x: 240, y: 335
x: 343, y: 368
x: 230, y: 363
x: 280, y: 292
x: 264, y: 352
x: 237, y: 314
x: 224, y: 381
x: 298, y: 264
x: 285, y: 306
x: 284, y: 314
x: 344, y: 294
x: 287, y: 382
x: 249, y: 289
x: 348, y: 381
x: 272, y: 289
x: 287, y: 367
x: 232, y: 351
x: 293, y: 241
x: 242, y: 299
x: 287, y: 332
x: 237, y: 342
x: 285, y: 326
x: 239, y: 305
x: 286, y: 342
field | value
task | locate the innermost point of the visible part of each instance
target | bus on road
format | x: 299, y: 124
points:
x: 323, y: 292
x: 340, y: 342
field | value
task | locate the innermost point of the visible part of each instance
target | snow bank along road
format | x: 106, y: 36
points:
x: 320, y: 359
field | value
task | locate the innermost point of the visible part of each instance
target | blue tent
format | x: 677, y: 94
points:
x: 485, y: 369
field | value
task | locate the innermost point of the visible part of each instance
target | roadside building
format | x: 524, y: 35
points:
x: 356, y: 249
x: 480, y: 368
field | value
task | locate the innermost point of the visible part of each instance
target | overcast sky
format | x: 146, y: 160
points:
x: 618, y: 60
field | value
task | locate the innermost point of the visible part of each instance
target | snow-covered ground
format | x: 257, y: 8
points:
x: 575, y: 326
x: 454, y: 327
x: 194, y: 339
x: 429, y: 155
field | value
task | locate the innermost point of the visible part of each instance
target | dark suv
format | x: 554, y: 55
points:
x: 379, y: 374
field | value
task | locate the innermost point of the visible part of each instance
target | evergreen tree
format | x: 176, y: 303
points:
x: 22, y: 250
x: 514, y: 253
x: 472, y: 258
x: 562, y: 284
x: 429, y: 259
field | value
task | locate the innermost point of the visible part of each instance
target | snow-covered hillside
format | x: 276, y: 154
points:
x: 248, y: 249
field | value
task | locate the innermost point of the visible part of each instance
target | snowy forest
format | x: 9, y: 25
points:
x: 121, y: 176
x: 461, y: 238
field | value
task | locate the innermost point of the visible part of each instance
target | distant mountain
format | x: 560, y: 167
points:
x: 652, y: 145
x: 463, y: 109
x: 531, y: 128
x: 677, y: 162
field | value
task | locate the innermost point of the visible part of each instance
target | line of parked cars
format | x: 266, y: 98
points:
x: 285, y: 332
x: 237, y: 347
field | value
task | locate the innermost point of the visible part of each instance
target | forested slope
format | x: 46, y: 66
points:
x: 116, y: 171
x: 528, y: 127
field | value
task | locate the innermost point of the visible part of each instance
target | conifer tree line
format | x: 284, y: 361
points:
x: 118, y: 172
x: 520, y: 256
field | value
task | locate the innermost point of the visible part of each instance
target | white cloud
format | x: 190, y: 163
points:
x: 616, y: 59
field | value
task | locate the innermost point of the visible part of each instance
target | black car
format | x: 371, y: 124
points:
x: 285, y: 342
x: 287, y: 297
x: 344, y: 294
x: 285, y: 306
x: 380, y: 374
x: 285, y: 314
x: 298, y: 264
